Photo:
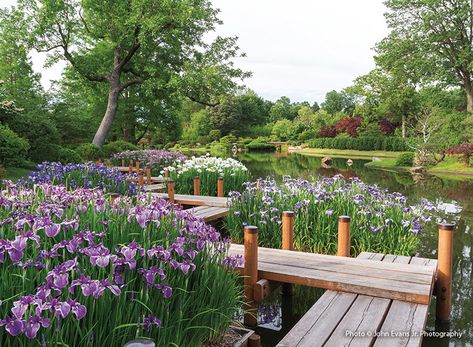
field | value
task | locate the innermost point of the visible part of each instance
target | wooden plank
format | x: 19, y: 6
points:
x: 153, y: 187
x: 209, y: 213
x: 365, y: 316
x: 322, y: 261
x: 317, y: 325
x: 322, y: 317
x: 405, y: 319
x: 197, y: 200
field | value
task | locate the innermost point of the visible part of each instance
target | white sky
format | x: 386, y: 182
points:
x: 299, y: 48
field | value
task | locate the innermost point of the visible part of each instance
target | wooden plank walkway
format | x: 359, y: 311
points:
x: 348, y: 319
x: 196, y: 200
x: 153, y: 187
x: 209, y: 213
x: 405, y: 282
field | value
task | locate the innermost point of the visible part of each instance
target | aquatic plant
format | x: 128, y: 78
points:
x: 155, y: 159
x: 381, y: 221
x: 209, y: 169
x: 87, y: 175
x: 81, y: 269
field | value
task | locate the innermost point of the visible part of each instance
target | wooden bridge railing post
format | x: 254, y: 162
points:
x: 220, y: 190
x: 343, y: 236
x: 287, y: 242
x: 171, y: 191
x: 123, y: 162
x: 148, y: 175
x: 250, y: 273
x: 141, y: 180
x: 444, y: 272
x: 130, y: 166
x: 137, y: 166
x: 196, y: 185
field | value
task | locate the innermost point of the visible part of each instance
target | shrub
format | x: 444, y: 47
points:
x: 365, y: 143
x: 88, y: 271
x: 89, y: 152
x: 68, y: 156
x: 405, y: 159
x: 382, y: 222
x: 260, y: 147
x: 348, y: 125
x: 214, y: 134
x: 117, y: 147
x: 13, y: 148
x: 464, y: 149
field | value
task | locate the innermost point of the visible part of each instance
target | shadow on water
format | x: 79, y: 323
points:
x: 453, y: 196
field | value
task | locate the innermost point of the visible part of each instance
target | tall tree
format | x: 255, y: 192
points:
x: 432, y: 41
x: 157, y: 45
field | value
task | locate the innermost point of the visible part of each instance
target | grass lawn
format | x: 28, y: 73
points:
x: 348, y: 153
x: 14, y: 173
x: 451, y: 163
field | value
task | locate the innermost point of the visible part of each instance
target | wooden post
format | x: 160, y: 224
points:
x: 288, y: 230
x: 171, y: 191
x: 250, y: 273
x: 287, y: 242
x: 130, y: 167
x: 220, y: 191
x: 343, y: 236
x: 137, y: 166
x: 444, y: 272
x: 141, y: 180
x: 254, y: 341
x: 148, y: 175
x: 166, y: 173
x: 196, y: 185
x: 123, y: 162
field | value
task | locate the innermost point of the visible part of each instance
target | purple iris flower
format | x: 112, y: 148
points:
x: 149, y: 321
x: 13, y: 325
x: 33, y: 325
x: 59, y: 308
x: 77, y: 309
x: 52, y: 230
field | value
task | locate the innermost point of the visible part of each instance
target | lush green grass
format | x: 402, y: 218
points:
x: 451, y: 163
x: 14, y: 173
x: 346, y: 153
x: 391, y: 163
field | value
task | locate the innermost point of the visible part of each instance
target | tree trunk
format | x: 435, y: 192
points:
x: 403, y: 126
x: 110, y: 113
x: 469, y: 94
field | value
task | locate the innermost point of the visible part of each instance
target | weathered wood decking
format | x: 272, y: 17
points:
x: 209, y: 213
x: 348, y: 319
x: 196, y: 200
x: 398, y: 281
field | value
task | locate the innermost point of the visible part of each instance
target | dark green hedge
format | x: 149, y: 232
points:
x: 262, y: 147
x: 366, y: 143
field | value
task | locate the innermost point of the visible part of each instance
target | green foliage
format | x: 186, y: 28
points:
x: 117, y: 147
x: 282, y: 130
x: 281, y: 110
x: 89, y: 152
x: 68, y: 156
x: 214, y: 134
x: 339, y: 102
x: 229, y: 139
x: 13, y: 148
x: 361, y: 143
x: 260, y: 144
x: 405, y: 159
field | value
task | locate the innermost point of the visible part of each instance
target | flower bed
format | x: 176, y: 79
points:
x: 79, y: 269
x: 209, y: 169
x: 75, y: 176
x: 155, y: 159
x: 381, y: 221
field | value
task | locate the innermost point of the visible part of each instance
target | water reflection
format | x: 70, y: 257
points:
x: 453, y: 196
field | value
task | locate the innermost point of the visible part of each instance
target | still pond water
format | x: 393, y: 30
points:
x: 277, y: 315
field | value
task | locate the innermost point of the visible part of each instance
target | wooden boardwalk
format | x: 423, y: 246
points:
x: 350, y: 319
x: 395, y: 281
x: 209, y: 213
x: 196, y: 200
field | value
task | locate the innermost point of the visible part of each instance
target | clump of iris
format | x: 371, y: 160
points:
x: 381, y: 221
x: 78, y: 268
x: 86, y: 175
x: 155, y: 159
x: 209, y: 169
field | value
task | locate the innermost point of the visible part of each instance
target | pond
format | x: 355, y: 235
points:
x: 455, y: 196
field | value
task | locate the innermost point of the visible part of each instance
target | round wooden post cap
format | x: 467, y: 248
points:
x: 288, y: 213
x: 446, y: 226
x: 344, y: 218
x: 251, y: 229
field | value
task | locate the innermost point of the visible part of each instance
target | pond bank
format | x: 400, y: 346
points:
x: 347, y: 153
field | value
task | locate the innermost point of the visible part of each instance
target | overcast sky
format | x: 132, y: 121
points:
x: 298, y: 48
